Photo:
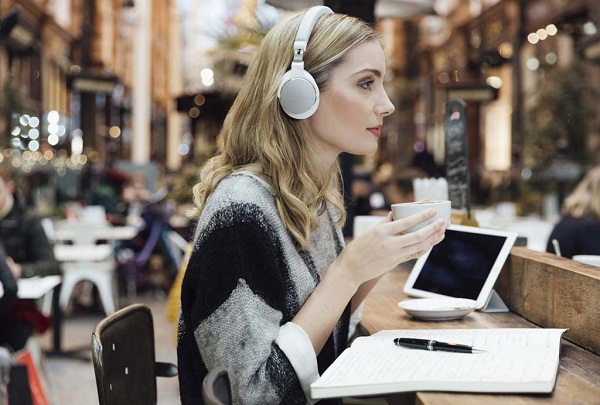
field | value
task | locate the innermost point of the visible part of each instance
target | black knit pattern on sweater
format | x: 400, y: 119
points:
x: 241, y: 265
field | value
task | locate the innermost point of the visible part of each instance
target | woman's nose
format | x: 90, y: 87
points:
x: 385, y: 107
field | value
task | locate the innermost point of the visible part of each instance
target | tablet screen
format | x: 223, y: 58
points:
x: 460, y: 264
x: 465, y: 264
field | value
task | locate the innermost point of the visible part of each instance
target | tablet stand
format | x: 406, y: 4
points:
x: 494, y: 304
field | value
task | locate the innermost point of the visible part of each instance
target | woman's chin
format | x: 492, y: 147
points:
x: 366, y: 149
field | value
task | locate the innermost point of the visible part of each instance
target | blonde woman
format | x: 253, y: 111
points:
x: 270, y: 288
x: 578, y: 231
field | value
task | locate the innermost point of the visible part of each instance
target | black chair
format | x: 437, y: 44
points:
x: 216, y: 389
x: 124, y: 359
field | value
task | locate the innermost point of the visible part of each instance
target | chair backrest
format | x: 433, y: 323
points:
x: 123, y: 357
x: 216, y: 389
x: 48, y: 225
x: 81, y: 232
x: 94, y: 213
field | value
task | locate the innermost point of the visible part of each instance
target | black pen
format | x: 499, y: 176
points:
x: 433, y: 345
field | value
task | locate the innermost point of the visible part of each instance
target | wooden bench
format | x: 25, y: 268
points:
x: 540, y: 289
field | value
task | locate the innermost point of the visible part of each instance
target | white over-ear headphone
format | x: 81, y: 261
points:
x: 298, y: 92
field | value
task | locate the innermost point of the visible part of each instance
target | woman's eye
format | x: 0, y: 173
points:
x: 366, y: 84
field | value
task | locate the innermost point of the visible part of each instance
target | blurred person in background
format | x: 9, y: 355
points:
x: 364, y: 198
x: 578, y: 231
x: 136, y: 194
x: 400, y: 189
x: 8, y: 284
x: 7, y: 298
x: 270, y: 287
x: 28, y: 254
x: 108, y: 193
x: 423, y: 159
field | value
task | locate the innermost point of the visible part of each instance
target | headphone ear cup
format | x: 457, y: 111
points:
x: 298, y: 94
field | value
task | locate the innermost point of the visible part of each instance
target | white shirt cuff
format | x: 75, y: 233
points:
x: 298, y: 348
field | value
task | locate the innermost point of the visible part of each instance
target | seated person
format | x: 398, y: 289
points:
x: 28, y: 254
x: 578, y: 231
x: 269, y: 289
x: 8, y: 283
x: 136, y: 194
x: 107, y: 193
x: 399, y: 189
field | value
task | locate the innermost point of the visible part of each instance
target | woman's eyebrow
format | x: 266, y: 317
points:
x: 368, y: 70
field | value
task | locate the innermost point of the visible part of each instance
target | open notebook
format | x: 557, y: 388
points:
x: 523, y: 360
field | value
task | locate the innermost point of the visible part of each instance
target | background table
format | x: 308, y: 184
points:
x: 111, y: 233
x: 39, y: 287
x: 36, y: 287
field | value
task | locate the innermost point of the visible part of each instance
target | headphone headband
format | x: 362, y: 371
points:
x: 305, y: 29
x: 298, y: 92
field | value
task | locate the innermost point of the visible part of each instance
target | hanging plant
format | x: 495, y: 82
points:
x: 562, y: 115
x: 11, y: 102
x: 232, y: 56
x: 11, y: 98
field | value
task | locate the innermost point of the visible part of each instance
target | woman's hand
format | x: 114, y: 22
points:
x: 14, y: 267
x: 365, y: 258
x: 386, y: 245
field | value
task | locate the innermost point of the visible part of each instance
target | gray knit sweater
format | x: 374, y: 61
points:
x: 244, y: 283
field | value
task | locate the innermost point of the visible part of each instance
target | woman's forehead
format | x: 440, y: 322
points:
x: 367, y: 56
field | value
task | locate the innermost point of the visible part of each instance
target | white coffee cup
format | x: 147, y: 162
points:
x: 403, y: 210
x: 593, y: 260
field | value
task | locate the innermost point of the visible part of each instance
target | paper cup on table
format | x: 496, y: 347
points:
x: 434, y: 189
x: 362, y: 223
x: 404, y: 210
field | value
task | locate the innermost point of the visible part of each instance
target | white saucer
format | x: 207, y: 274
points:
x: 438, y: 309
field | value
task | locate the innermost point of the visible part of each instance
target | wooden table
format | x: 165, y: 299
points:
x: 578, y: 380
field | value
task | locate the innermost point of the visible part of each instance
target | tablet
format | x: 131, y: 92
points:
x: 465, y: 264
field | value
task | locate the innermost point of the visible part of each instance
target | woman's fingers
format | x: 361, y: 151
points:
x: 399, y: 226
x: 418, y: 242
x: 384, y: 247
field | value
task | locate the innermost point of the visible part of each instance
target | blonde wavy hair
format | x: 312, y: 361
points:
x: 585, y: 199
x: 258, y: 136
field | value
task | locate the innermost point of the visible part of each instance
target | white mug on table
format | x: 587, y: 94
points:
x: 403, y: 210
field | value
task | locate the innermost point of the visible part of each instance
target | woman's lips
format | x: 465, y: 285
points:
x: 375, y: 131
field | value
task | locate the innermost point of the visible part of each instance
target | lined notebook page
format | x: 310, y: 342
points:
x: 513, y: 357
